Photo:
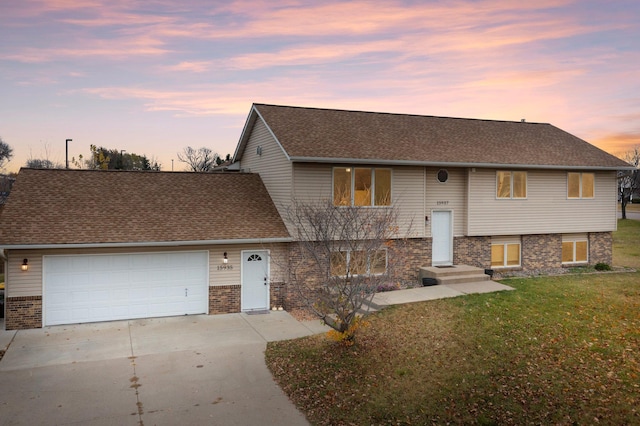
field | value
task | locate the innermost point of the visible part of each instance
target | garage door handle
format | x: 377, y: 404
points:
x: 186, y: 292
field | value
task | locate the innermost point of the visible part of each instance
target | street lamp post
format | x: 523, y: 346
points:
x: 66, y: 153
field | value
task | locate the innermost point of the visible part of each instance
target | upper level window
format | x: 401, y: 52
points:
x: 361, y: 186
x: 511, y: 184
x: 580, y: 185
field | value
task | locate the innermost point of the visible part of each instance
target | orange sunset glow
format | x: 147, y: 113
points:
x: 152, y: 77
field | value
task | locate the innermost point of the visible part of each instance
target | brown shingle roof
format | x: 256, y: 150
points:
x: 308, y: 133
x: 85, y: 207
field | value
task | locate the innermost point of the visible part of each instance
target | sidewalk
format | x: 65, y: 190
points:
x: 420, y: 294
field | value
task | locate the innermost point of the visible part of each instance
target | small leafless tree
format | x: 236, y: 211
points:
x: 343, y: 254
x: 198, y: 160
x: 629, y: 181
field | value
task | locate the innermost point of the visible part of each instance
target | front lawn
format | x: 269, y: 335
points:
x: 558, y: 350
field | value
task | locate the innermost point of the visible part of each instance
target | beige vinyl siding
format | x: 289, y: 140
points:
x: 546, y: 208
x: 314, y: 182
x: 450, y: 195
x: 408, y: 188
x: 230, y: 274
x: 20, y: 283
x: 273, y: 166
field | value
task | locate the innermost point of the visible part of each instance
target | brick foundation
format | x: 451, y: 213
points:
x: 601, y: 248
x: 472, y: 251
x: 224, y: 299
x: 23, y: 312
x: 540, y: 252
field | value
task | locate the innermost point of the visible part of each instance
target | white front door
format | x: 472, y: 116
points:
x: 255, y: 280
x: 442, y: 238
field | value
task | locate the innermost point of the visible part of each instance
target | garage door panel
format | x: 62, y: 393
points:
x: 89, y: 288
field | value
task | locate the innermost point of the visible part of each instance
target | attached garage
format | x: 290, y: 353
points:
x: 84, y: 246
x: 91, y: 288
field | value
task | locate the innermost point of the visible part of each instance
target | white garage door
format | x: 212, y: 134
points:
x: 91, y: 288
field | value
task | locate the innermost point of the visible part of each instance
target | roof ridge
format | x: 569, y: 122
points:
x: 399, y: 114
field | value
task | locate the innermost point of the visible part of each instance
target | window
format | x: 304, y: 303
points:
x: 511, y: 184
x: 505, y: 255
x: 361, y: 186
x: 575, y: 251
x: 580, y: 185
x: 358, y: 262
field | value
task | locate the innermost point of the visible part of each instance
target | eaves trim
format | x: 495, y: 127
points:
x: 449, y: 164
x: 147, y: 244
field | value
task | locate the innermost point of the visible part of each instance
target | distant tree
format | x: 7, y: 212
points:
x: 221, y: 160
x: 114, y: 159
x: 6, y: 152
x: 629, y: 181
x: 42, y: 163
x: 200, y: 160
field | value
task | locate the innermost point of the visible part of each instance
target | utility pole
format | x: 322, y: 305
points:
x: 66, y: 151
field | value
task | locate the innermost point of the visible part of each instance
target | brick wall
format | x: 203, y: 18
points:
x: 472, y: 251
x: 601, y: 248
x: 541, y: 252
x: 224, y: 299
x: 277, y: 294
x: 23, y: 312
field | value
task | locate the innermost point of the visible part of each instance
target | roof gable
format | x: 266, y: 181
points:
x: 106, y: 207
x: 329, y: 135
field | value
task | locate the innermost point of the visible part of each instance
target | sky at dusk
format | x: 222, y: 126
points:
x: 152, y: 77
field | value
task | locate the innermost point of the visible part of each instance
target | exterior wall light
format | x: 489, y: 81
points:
x: 225, y: 259
x: 25, y: 265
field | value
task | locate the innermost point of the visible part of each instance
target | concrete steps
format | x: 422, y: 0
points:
x: 455, y: 274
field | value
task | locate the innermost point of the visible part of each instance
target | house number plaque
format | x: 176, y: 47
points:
x: 442, y: 203
x: 225, y: 267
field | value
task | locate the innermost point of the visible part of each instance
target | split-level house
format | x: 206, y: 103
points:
x: 84, y: 246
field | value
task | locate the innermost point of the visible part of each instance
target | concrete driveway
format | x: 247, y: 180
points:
x: 164, y: 371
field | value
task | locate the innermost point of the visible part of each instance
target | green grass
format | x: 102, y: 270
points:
x: 626, y: 244
x: 558, y: 350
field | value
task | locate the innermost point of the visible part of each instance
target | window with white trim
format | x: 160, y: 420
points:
x: 361, y: 186
x: 511, y: 184
x: 575, y: 250
x: 580, y: 185
x: 505, y: 255
x: 357, y: 262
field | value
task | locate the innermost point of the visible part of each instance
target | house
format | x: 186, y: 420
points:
x: 492, y: 194
x: 86, y: 246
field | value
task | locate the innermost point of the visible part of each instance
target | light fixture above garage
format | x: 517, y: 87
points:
x: 25, y: 265
x: 225, y: 259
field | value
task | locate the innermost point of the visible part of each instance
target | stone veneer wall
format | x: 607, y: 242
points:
x: 472, y: 251
x: 224, y: 299
x: 541, y: 252
x: 601, y: 248
x: 23, y: 312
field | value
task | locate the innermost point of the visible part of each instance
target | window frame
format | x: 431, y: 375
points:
x: 511, y: 185
x: 352, y: 189
x: 574, y: 246
x: 581, y: 186
x: 368, y: 272
x: 505, y: 257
